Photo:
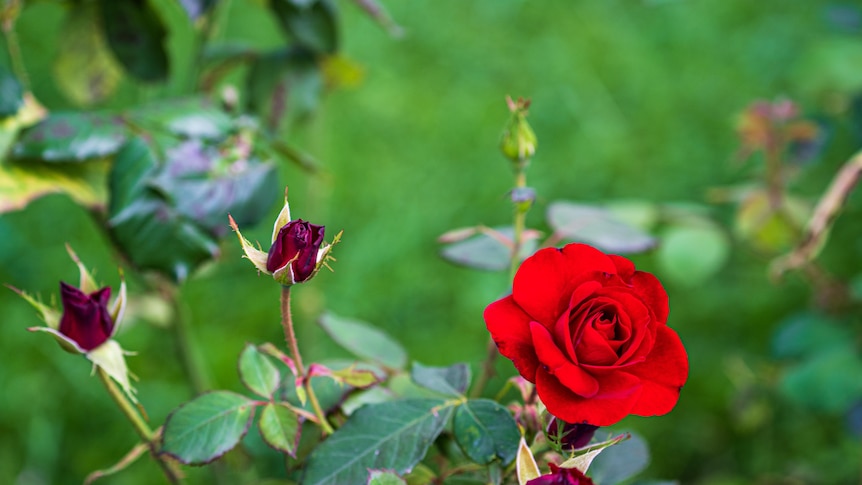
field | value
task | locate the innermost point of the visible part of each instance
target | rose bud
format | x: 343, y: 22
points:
x: 562, y: 476
x: 86, y: 319
x: 297, y: 252
x: 569, y: 436
x: 518, y: 141
x: 591, y: 333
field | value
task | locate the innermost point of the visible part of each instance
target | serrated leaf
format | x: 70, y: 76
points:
x: 486, y: 431
x: 597, y: 226
x: 312, y: 24
x: 451, y: 381
x: 279, y: 427
x: 67, y: 137
x: 329, y: 393
x: 137, y: 37
x: 618, y: 463
x: 257, y: 373
x: 383, y: 477
x: 393, y: 436
x: 486, y: 250
x: 525, y: 466
x: 206, y: 427
x: 364, y: 340
x: 11, y: 93
x: 187, y: 117
x: 84, y: 68
x: 692, y: 253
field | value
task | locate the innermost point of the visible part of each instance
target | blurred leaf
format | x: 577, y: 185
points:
x: 206, y: 427
x: 691, y: 254
x: 312, y: 24
x: 597, y: 226
x: 21, y: 183
x: 806, y: 334
x: 137, y: 37
x: 279, y: 427
x: 364, y: 340
x: 486, y: 431
x: 84, y: 68
x: 450, y: 381
x: 11, y: 93
x: 420, y: 475
x: 827, y: 381
x: 526, y: 466
x: 257, y: 373
x: 637, y: 213
x: 196, y: 8
x: 339, y: 71
x: 767, y: 229
x: 66, y: 137
x: 188, y: 117
x: 620, y: 462
x: 372, y: 395
x: 486, y: 250
x: 382, y: 477
x: 828, y: 66
x: 584, y: 457
x: 282, y: 83
x: 150, y: 231
x: 392, y: 435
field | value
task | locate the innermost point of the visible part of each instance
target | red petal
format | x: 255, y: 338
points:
x: 510, y: 328
x: 569, y: 374
x: 546, y: 280
x: 663, y: 374
x: 625, y: 268
x: 617, y: 394
x: 653, y: 294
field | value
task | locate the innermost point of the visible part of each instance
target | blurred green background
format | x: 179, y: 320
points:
x: 630, y: 100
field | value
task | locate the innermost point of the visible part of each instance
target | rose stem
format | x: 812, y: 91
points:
x: 290, y: 338
x: 488, y: 367
x: 138, y: 423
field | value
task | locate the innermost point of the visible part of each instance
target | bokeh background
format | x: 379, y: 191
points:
x: 631, y: 99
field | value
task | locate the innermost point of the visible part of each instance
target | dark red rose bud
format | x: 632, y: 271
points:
x: 562, y: 476
x: 570, y: 436
x: 86, y: 319
x: 297, y: 244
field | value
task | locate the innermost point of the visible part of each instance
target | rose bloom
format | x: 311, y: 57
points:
x: 590, y: 332
x: 296, y: 251
x: 86, y: 319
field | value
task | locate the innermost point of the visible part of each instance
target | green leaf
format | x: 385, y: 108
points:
x: 257, y: 372
x: 364, y: 340
x: 279, y: 427
x: 69, y: 137
x: 393, y: 436
x: 23, y: 182
x: 207, y: 427
x: 597, y: 226
x: 137, y: 37
x: 618, y: 463
x: 187, y: 117
x: 84, y: 68
x: 487, y: 251
x: 311, y: 24
x: 486, y: 431
x: 196, y: 8
x: 827, y: 381
x: 383, y: 477
x: 329, y: 393
x: 450, y: 381
x: 691, y: 254
x: 11, y: 93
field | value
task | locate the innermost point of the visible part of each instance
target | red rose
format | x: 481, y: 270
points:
x: 562, y: 476
x: 591, y: 333
x: 86, y: 319
x: 295, y: 250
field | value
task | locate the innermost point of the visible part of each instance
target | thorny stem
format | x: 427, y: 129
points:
x: 293, y: 347
x: 138, y: 423
x: 520, y: 218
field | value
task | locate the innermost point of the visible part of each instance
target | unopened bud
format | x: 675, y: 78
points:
x: 518, y: 142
